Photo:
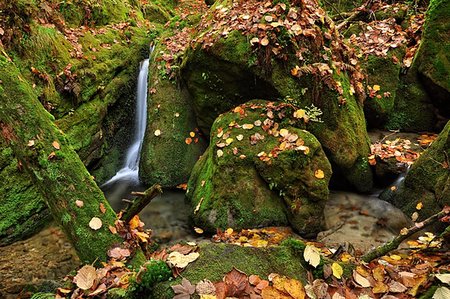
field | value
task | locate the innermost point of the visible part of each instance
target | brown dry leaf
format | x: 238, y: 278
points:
x: 56, y: 145
x: 119, y: 253
x: 183, y: 290
x: 95, y: 223
x: 102, y: 208
x: 236, y: 282
x: 188, y: 140
x: 112, y: 229
x: 205, y: 287
x: 85, y: 277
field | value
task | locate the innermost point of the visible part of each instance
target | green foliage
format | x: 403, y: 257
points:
x: 154, y: 272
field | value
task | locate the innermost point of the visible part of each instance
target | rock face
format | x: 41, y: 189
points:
x: 428, y: 180
x: 167, y: 157
x: 225, y: 71
x: 260, y: 170
x: 433, y: 58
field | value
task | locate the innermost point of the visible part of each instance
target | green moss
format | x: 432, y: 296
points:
x: 153, y: 272
x: 167, y: 159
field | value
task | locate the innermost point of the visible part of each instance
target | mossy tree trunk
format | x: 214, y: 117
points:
x: 44, y: 151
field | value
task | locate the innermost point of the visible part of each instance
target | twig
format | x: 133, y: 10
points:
x: 358, y: 11
x: 144, y: 198
x: 383, y: 249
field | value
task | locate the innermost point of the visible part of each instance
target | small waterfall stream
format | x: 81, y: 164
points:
x: 168, y: 214
x: 130, y: 170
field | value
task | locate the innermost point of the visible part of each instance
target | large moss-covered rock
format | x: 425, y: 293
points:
x: 428, y: 180
x: 167, y: 158
x: 21, y: 205
x: 224, y: 70
x: 252, y: 176
x: 216, y: 260
x: 433, y: 57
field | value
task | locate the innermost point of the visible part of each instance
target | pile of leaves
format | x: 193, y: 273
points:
x: 402, y: 150
x: 379, y: 36
x: 257, y: 237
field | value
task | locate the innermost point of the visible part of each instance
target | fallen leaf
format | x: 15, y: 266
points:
x: 376, y: 87
x: 134, y: 222
x: 192, y: 134
x: 240, y: 137
x: 337, y: 270
x: 289, y: 286
x: 219, y: 153
x: 319, y: 174
x: 198, y: 230
x: 442, y: 293
x: 56, y: 145
x: 102, y: 208
x: 247, y: 126
x: 95, y: 223
x: 445, y: 278
x: 85, y: 277
x: 30, y: 143
x: 312, y: 255
x: 361, y: 280
x: 188, y: 140
x: 264, y: 42
x: 179, y: 260
x: 205, y: 287
x: 236, y: 282
x: 79, y: 203
x: 183, y: 290
x: 157, y: 132
x: 112, y: 229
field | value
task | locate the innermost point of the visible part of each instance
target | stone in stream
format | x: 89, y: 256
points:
x: 260, y: 169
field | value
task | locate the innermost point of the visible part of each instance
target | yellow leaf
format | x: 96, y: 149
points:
x: 229, y: 140
x: 419, y: 205
x: 395, y: 257
x: 290, y: 286
x: 337, y: 270
x: 264, y: 42
x: 247, y: 126
x: 192, y: 134
x: 376, y: 87
x: 284, y: 132
x: 134, y: 222
x: 300, y: 113
x: 198, y: 230
x: 157, y: 132
x: 179, y: 260
x: 219, y: 153
x: 143, y: 236
x: 319, y: 174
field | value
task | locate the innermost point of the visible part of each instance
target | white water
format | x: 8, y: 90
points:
x: 130, y: 170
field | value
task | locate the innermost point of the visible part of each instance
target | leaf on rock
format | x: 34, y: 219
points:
x: 95, y: 223
x: 85, y: 277
x: 219, y: 153
x: 157, y: 133
x: 79, y: 203
x: 264, y: 42
x: 56, y: 145
x: 30, y: 143
x: 319, y: 174
x: 183, y: 290
x: 102, y: 208
x: 179, y: 260
x: 247, y: 126
x: 337, y: 270
x: 289, y: 286
x: 312, y: 255
x: 188, y: 140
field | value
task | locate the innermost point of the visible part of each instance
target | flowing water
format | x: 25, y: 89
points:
x: 167, y: 215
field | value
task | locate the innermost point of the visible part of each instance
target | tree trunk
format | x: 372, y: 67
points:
x: 44, y: 151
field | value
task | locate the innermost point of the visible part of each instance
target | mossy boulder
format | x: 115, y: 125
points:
x: 167, y: 158
x: 221, y: 71
x: 428, y: 180
x: 433, y: 57
x: 216, y: 260
x: 251, y: 176
x: 21, y: 205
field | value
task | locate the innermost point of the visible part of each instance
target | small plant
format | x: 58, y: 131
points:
x: 314, y: 113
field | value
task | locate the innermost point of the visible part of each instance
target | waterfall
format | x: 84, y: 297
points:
x: 130, y: 170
